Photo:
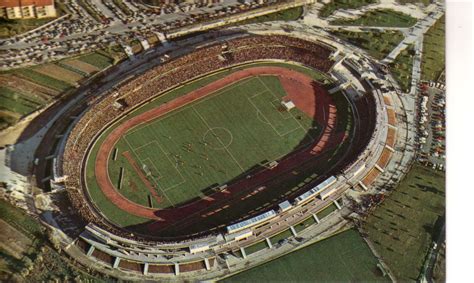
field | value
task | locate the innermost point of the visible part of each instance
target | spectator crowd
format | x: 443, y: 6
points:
x: 167, y: 76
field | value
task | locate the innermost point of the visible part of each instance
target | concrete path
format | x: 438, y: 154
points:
x: 416, y: 33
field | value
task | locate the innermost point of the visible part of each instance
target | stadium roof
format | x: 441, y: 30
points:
x: 251, y: 221
x: 317, y: 189
x: 284, y: 205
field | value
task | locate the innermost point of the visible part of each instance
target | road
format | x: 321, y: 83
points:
x: 79, y: 33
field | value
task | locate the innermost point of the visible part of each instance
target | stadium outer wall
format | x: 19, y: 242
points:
x: 106, y: 126
x: 187, y: 244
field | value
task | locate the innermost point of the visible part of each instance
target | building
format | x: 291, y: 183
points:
x: 177, y: 2
x: 27, y: 9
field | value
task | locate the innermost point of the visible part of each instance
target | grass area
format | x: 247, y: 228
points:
x: 439, y: 269
x: 7, y: 119
x: 281, y: 236
x: 17, y: 102
x: 96, y: 59
x: 41, y: 79
x: 19, y: 99
x: 379, y: 18
x: 38, y: 262
x: 256, y: 247
x: 424, y: 2
x: 403, y: 227
x: 377, y: 44
x: 402, y: 66
x: 20, y: 220
x: 433, y: 60
x: 54, y: 268
x: 219, y: 138
x: 123, y: 7
x: 114, y: 53
x: 287, y: 15
x: 122, y: 218
x: 342, y: 258
x: 9, y: 28
x: 334, y: 5
x: 304, y: 224
x: 326, y: 211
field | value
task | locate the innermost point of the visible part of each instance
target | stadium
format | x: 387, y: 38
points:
x: 209, y: 152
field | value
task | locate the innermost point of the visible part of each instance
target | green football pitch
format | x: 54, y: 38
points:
x: 208, y: 143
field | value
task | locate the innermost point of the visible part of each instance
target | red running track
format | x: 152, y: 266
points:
x: 300, y: 88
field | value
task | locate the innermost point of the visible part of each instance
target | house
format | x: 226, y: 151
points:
x: 27, y: 9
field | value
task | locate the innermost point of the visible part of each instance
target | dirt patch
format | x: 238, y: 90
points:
x: 28, y: 87
x: 82, y: 66
x: 142, y: 176
x: 12, y: 241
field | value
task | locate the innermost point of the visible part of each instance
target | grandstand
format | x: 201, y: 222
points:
x: 391, y: 136
x: 243, y: 49
x: 392, y: 119
x: 191, y: 239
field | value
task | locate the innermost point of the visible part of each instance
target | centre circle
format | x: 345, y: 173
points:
x: 218, y: 138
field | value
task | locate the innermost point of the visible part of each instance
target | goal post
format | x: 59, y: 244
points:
x: 270, y: 164
x: 146, y: 170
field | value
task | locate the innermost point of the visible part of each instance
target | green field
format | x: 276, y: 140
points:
x: 256, y: 247
x: 341, y: 258
x: 96, y: 59
x: 9, y: 28
x: 433, y: 60
x: 403, y: 227
x: 379, y: 18
x: 17, y: 102
x: 281, y: 236
x: 18, y: 99
x: 41, y: 79
x: 27, y: 256
x: 304, y: 224
x: 123, y: 218
x: 334, y: 5
x: 291, y: 14
x: 402, y: 66
x: 377, y: 44
x: 7, y: 119
x: 424, y: 2
x: 326, y: 211
x: 20, y: 220
x: 211, y: 141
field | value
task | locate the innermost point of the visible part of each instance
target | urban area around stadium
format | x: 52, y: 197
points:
x: 224, y: 140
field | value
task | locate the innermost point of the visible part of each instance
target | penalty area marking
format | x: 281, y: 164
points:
x: 158, y: 187
x: 260, y: 115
